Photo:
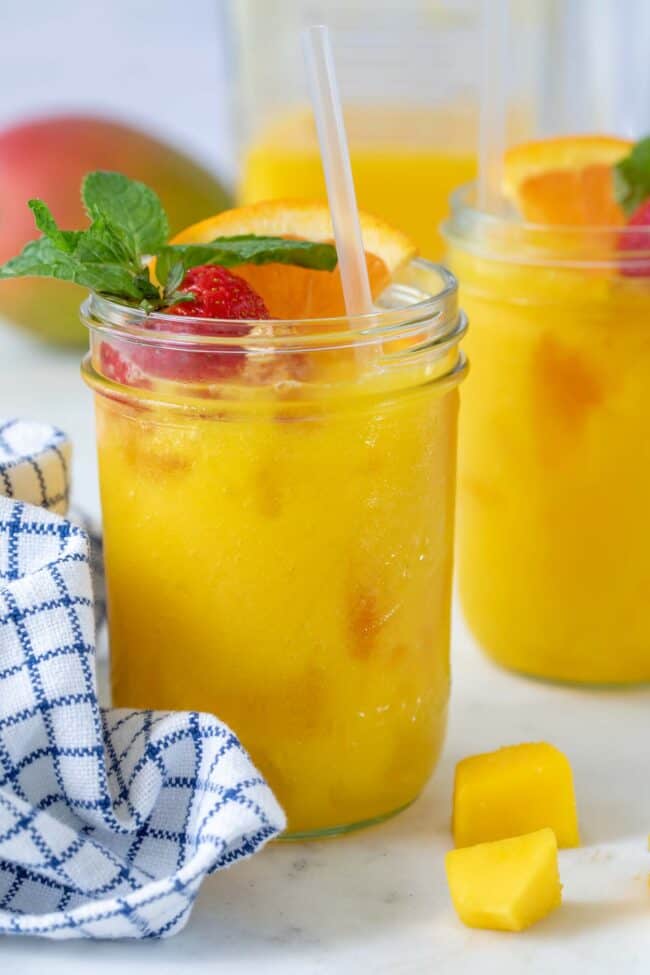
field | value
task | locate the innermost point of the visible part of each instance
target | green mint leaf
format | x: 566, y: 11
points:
x: 178, y: 298
x: 174, y: 277
x: 632, y: 177
x: 127, y: 222
x: 101, y: 244
x: 41, y: 259
x: 106, y: 267
x: 246, y: 249
x: 116, y: 282
x: 132, y: 210
x: 65, y: 240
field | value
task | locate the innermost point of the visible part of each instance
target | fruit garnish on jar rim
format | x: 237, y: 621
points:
x: 584, y: 180
x: 565, y: 181
x: 129, y: 227
x: 295, y: 292
x: 286, y: 267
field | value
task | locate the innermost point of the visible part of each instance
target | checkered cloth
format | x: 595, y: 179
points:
x: 35, y: 464
x: 35, y: 467
x: 109, y: 819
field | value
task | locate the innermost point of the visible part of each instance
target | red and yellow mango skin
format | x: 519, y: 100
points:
x: 48, y: 158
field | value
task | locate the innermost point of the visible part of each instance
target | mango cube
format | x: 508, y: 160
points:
x: 512, y: 791
x: 506, y: 885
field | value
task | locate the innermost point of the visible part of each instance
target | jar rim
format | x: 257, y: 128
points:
x: 101, y: 314
x: 508, y: 239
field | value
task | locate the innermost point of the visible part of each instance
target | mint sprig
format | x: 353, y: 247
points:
x: 131, y: 209
x: 92, y: 258
x: 632, y: 177
x: 245, y: 249
x: 129, y: 227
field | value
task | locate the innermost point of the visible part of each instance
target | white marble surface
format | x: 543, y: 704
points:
x: 377, y: 902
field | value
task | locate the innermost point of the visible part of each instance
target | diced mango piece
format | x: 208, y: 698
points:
x: 506, y: 885
x: 515, y: 790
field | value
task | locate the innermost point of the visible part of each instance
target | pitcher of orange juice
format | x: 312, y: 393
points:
x: 408, y: 77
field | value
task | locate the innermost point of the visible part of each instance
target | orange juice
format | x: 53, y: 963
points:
x: 554, y: 475
x: 406, y: 163
x: 279, y: 547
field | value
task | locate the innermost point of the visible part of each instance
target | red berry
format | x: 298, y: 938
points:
x: 637, y: 240
x: 119, y: 368
x: 217, y: 294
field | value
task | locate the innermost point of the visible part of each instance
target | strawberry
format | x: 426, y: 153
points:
x: 217, y: 294
x: 638, y: 240
x: 120, y: 369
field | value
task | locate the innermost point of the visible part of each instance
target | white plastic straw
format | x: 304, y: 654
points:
x: 495, y: 58
x: 335, y: 156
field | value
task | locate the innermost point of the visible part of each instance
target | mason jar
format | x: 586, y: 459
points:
x: 278, y: 505
x: 554, y: 462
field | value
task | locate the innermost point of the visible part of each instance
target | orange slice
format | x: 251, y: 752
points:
x: 566, y: 181
x: 296, y: 292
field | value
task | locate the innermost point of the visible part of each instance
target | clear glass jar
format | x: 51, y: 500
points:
x: 278, y: 517
x: 554, y: 462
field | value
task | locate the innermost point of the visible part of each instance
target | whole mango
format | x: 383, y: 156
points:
x: 48, y: 158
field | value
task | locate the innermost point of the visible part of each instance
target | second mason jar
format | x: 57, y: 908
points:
x: 554, y: 467
x: 278, y: 536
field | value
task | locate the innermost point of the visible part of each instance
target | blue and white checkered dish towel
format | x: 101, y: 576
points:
x: 35, y: 464
x: 109, y: 819
x: 35, y: 467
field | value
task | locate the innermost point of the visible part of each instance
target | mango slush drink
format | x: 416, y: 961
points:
x: 279, y: 543
x: 554, y: 463
x: 406, y: 164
